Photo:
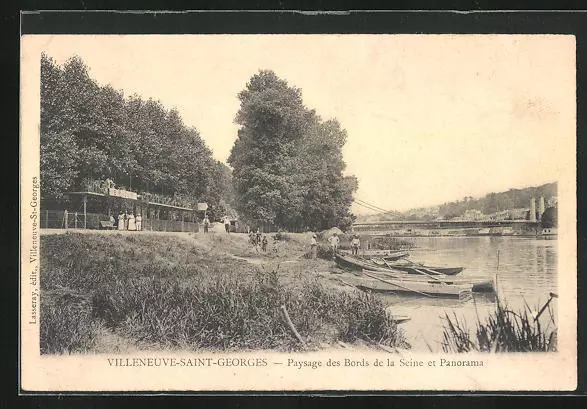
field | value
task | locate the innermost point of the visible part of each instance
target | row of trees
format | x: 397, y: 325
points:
x: 287, y: 162
x: 90, y: 131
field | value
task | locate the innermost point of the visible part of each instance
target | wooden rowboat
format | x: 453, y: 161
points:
x: 383, y: 254
x: 434, y: 289
x: 413, y: 269
x: 357, y: 263
x: 479, y: 284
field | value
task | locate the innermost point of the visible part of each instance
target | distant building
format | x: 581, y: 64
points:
x: 552, y: 202
x: 517, y: 214
x: 473, y: 214
x: 501, y: 215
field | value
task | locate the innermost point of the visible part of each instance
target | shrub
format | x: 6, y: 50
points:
x: 390, y: 243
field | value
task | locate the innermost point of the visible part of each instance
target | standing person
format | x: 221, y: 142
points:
x: 131, y: 222
x: 139, y: 221
x: 355, y: 244
x: 258, y: 234
x: 121, y: 221
x: 334, y: 241
x: 227, y: 224
x: 206, y: 224
x: 314, y: 247
x: 264, y: 243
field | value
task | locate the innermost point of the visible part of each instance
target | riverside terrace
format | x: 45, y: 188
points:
x: 88, y: 209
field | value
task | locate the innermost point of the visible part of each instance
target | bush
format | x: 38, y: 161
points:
x: 390, y: 243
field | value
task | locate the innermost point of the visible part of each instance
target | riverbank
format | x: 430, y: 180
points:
x: 121, y: 292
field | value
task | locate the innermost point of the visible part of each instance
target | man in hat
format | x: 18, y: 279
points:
x: 334, y: 241
x: 314, y: 247
x: 355, y: 245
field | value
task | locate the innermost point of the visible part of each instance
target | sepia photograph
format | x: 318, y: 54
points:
x: 272, y: 207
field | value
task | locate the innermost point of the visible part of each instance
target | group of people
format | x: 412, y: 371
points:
x: 334, y: 241
x: 225, y: 220
x: 256, y: 240
x: 128, y: 221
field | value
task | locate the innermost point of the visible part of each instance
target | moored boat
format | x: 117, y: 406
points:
x: 414, y: 268
x: 358, y: 264
x: 369, y: 280
x: 379, y: 264
x: 384, y: 254
x: 479, y: 284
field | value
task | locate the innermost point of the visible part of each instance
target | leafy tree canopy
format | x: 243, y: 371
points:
x: 287, y: 162
x: 90, y: 131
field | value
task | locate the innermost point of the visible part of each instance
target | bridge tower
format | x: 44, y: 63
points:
x: 541, y: 207
x: 533, y: 209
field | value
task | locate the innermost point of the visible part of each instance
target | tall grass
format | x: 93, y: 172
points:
x: 170, y: 294
x: 504, y: 330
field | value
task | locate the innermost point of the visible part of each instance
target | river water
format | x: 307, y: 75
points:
x: 527, y: 273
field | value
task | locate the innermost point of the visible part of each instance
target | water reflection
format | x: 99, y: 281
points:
x: 526, y: 270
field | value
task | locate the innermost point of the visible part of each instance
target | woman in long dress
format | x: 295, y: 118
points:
x: 139, y: 222
x: 131, y: 222
x: 121, y: 221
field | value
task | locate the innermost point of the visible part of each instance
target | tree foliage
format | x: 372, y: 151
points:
x: 287, y: 162
x: 550, y: 218
x: 90, y: 131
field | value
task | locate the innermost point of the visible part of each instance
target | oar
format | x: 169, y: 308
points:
x: 397, y: 285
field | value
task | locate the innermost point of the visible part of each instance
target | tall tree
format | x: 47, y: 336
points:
x: 287, y: 163
x: 90, y: 131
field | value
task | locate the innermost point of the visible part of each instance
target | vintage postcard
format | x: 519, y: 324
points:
x: 298, y: 212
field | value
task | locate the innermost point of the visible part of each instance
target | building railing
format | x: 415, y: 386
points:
x: 60, y: 219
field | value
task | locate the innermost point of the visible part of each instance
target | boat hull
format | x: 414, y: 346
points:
x: 435, y: 289
x: 479, y: 284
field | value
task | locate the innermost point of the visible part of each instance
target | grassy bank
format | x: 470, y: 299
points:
x: 104, y: 291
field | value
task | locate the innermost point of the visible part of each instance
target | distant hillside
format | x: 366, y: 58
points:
x: 490, y: 203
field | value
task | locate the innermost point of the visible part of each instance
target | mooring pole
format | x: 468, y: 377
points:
x: 85, y: 198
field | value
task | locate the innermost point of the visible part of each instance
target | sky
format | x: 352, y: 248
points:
x: 430, y: 118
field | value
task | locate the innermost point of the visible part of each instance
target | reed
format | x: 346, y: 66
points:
x: 504, y: 330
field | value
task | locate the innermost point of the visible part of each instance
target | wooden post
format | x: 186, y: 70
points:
x: 65, y: 218
x: 75, y: 220
x: 85, y: 198
x: 182, y: 222
x: 46, y: 219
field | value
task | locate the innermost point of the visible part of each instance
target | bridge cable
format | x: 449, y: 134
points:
x: 372, y: 206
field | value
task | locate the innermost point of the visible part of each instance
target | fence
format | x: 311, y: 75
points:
x: 59, y: 219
